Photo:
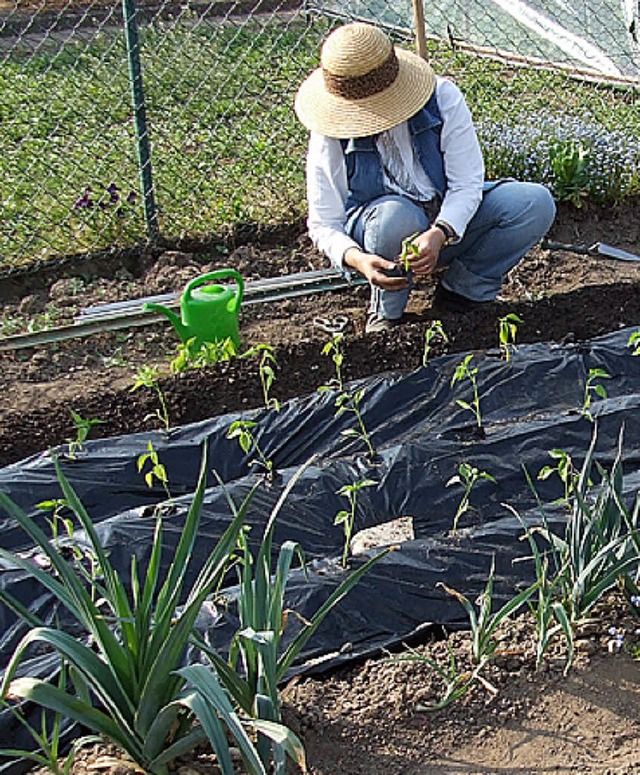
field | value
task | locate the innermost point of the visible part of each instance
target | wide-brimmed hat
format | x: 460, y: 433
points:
x: 364, y: 84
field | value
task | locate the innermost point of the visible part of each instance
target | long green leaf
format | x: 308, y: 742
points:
x: 159, y: 685
x: 205, y: 684
x: 237, y: 687
x: 284, y: 737
x: 95, y: 672
x: 67, y: 589
x: 156, y: 748
x: 116, y: 596
x: 57, y: 700
x: 298, y: 643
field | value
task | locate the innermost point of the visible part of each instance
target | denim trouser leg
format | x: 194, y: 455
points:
x: 380, y: 228
x: 512, y: 217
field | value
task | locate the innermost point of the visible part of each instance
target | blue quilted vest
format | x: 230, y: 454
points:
x: 364, y: 166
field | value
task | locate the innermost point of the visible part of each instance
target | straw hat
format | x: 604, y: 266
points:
x: 364, y: 84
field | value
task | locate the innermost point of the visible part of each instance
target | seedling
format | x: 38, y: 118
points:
x: 56, y: 506
x: 483, y: 623
x: 345, y: 400
x: 434, y: 332
x: 467, y: 476
x: 565, y: 470
x: 346, y: 517
x: 456, y: 684
x: 155, y: 469
x: 148, y: 376
x: 465, y: 371
x: 266, y: 367
x: 242, y: 430
x: 507, y: 332
x: 593, y: 388
x: 207, y: 354
x: 634, y: 341
x: 83, y: 428
x: 409, y: 249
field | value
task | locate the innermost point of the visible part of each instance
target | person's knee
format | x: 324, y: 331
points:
x: 543, y: 206
x: 527, y: 207
x: 391, y: 221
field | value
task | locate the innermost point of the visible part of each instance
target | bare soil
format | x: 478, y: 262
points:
x: 370, y: 718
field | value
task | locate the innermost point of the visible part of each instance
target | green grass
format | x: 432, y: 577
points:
x: 226, y: 145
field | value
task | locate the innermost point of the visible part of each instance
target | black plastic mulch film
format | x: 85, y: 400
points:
x: 530, y: 405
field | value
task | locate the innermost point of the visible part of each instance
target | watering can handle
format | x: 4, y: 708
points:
x: 220, y: 274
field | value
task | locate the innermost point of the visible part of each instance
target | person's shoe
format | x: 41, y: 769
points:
x: 376, y: 324
x: 450, y: 301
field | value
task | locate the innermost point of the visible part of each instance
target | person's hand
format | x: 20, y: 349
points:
x: 375, y: 269
x: 428, y: 244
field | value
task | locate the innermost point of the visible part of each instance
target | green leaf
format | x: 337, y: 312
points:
x: 208, y: 689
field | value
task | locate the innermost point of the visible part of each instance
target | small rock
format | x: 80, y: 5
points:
x: 31, y: 304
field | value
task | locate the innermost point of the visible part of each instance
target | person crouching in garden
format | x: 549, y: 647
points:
x: 393, y: 153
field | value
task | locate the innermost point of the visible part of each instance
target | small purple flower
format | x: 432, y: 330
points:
x: 85, y: 200
x: 112, y: 190
x: 635, y: 600
x: 131, y: 197
x: 120, y: 213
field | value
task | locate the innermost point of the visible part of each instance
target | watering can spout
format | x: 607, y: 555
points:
x: 175, y: 321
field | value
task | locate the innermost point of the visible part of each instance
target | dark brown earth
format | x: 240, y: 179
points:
x: 559, y: 296
x: 368, y: 718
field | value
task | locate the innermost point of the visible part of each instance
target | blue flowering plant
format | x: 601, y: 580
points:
x: 577, y: 158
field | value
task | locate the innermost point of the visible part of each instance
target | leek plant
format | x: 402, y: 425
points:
x: 484, y: 623
x: 258, y: 657
x: 48, y: 738
x: 600, y: 548
x: 456, y: 683
x: 600, y: 545
x: 127, y: 682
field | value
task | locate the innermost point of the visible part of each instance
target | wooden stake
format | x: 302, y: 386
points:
x: 418, y: 21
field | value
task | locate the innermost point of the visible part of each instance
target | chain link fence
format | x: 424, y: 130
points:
x: 173, y: 122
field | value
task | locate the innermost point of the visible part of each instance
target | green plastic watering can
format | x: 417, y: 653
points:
x: 208, y: 313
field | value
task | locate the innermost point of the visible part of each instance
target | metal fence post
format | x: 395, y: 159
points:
x: 140, y: 118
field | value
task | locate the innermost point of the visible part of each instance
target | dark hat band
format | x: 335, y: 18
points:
x: 360, y: 86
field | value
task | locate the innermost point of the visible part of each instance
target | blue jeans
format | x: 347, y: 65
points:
x: 511, y: 219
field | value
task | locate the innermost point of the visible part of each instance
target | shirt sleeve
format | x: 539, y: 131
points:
x: 326, y: 196
x: 463, y: 163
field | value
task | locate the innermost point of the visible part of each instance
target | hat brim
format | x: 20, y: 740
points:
x: 333, y: 116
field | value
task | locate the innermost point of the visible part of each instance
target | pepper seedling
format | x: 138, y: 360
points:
x: 409, y: 249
